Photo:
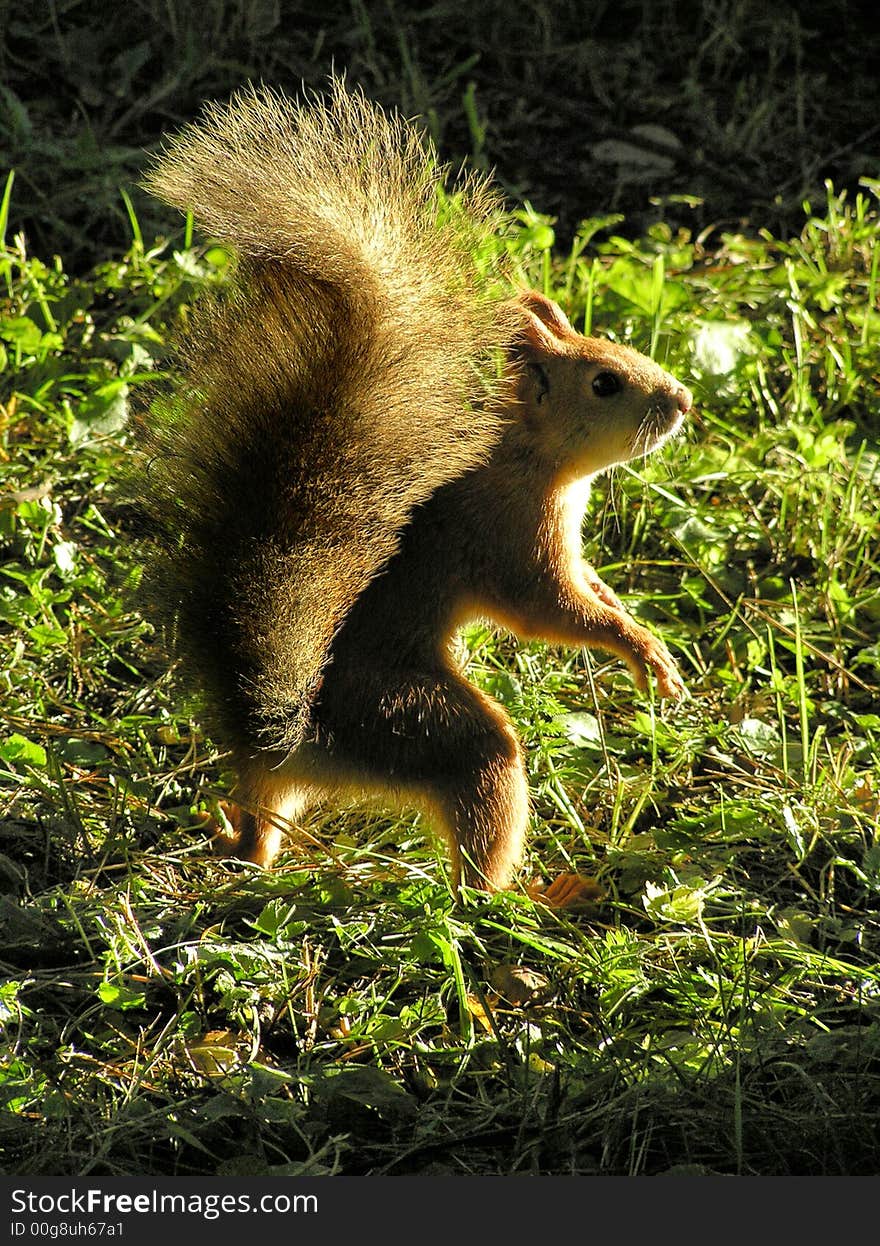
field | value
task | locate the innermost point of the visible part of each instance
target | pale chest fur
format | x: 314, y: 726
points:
x: 573, y: 501
x: 561, y: 538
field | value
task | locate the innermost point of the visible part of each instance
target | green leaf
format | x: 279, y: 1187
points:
x: 370, y: 1087
x: 582, y: 729
x: 118, y: 995
x: 682, y: 904
x: 83, y: 753
x: 22, y: 332
x: 428, y: 948
x: 64, y: 556
x: 103, y: 413
x: 17, y: 748
x: 719, y: 346
x: 760, y: 738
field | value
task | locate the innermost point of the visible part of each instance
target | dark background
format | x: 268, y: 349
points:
x: 752, y: 104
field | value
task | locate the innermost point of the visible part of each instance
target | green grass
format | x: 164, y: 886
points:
x: 717, y: 1010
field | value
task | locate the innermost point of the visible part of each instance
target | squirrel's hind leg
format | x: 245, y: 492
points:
x: 433, y: 739
x: 484, y: 812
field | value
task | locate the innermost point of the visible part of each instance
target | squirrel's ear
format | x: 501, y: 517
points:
x: 544, y: 324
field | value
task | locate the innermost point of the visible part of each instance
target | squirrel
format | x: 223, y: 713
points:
x: 370, y: 443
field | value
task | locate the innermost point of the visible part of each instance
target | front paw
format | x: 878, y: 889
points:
x: 657, y: 658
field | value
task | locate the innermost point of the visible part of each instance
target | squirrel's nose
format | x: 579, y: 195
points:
x: 685, y: 399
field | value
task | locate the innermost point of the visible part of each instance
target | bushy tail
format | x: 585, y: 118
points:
x: 341, y: 378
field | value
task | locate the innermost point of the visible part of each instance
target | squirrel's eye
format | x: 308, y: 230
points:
x: 605, y: 384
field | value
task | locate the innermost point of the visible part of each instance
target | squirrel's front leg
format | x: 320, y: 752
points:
x: 639, y: 648
x: 589, y: 613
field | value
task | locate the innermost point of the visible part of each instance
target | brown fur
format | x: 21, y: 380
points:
x: 351, y: 487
